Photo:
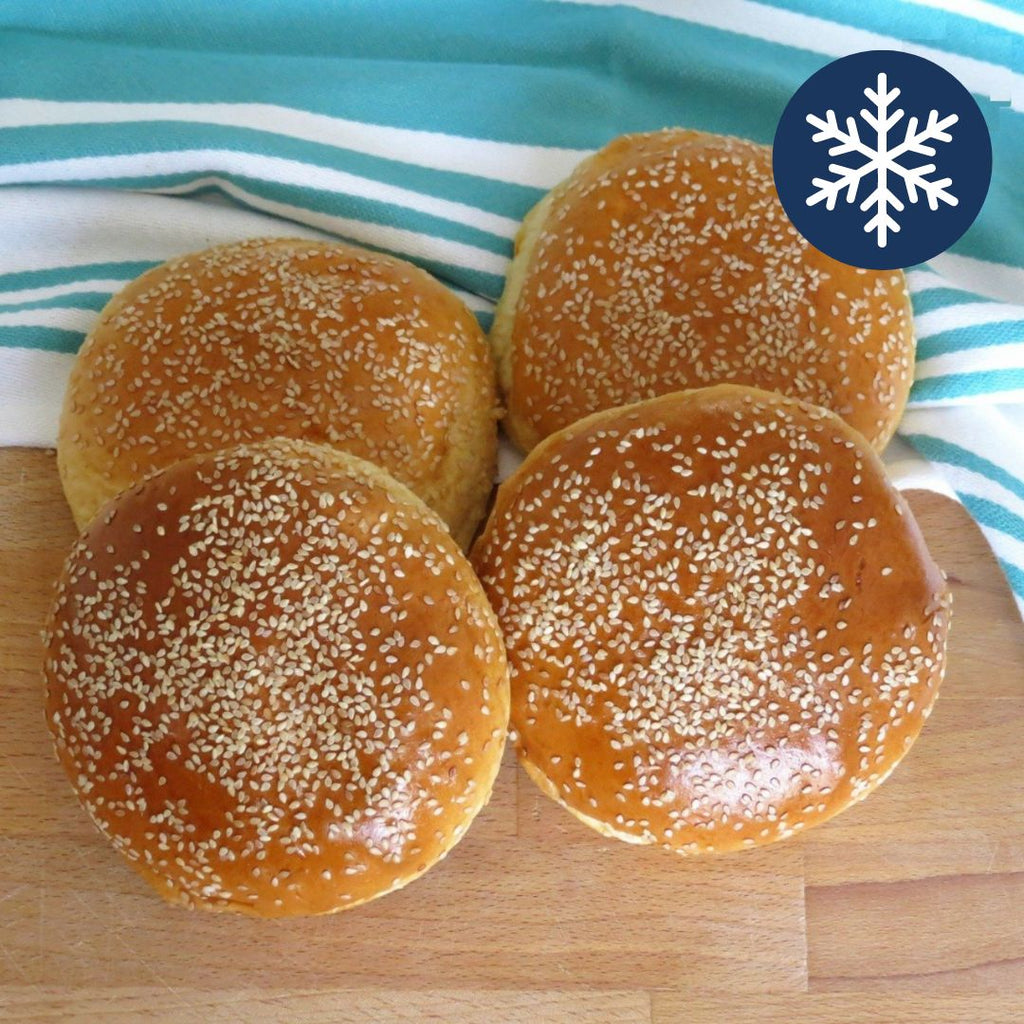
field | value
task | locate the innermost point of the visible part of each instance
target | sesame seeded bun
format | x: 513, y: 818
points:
x: 284, y: 337
x: 274, y: 681
x: 665, y: 262
x: 722, y: 622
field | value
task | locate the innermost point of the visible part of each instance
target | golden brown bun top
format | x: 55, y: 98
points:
x: 317, y: 341
x: 721, y: 619
x: 666, y: 262
x: 275, y: 681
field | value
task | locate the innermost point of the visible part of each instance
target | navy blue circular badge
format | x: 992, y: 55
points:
x: 882, y: 159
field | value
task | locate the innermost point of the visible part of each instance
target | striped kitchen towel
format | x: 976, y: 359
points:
x: 133, y: 132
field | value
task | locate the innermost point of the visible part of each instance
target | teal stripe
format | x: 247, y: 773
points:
x: 991, y: 236
x: 1014, y: 574
x: 484, y: 320
x: 505, y: 76
x: 996, y: 517
x: 479, y: 282
x: 966, y: 385
x: 78, y: 300
x: 964, y: 339
x: 66, y: 142
x: 927, y: 300
x: 124, y: 270
x: 52, y: 339
x: 564, y: 76
x: 370, y: 211
x: 942, y: 30
x: 365, y: 34
x: 938, y: 450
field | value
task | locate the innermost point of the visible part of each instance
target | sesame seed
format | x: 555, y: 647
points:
x: 234, y: 704
x: 682, y: 638
x: 667, y: 262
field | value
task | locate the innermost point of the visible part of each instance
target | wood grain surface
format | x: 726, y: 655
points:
x: 907, y: 908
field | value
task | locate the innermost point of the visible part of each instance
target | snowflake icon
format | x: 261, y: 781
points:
x: 881, y: 189
x: 882, y: 160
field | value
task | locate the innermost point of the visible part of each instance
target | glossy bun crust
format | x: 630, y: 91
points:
x: 665, y: 262
x: 274, y: 681
x: 284, y: 337
x: 722, y: 622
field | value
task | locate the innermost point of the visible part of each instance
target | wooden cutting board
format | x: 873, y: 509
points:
x: 909, y: 907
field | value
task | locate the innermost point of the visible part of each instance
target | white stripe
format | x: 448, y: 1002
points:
x: 32, y: 383
x: 955, y: 475
x: 1009, y: 550
x: 413, y: 244
x: 272, y: 169
x: 67, y: 318
x: 1010, y: 419
x: 985, y: 429
x: 916, y: 474
x: 831, y: 38
x: 994, y: 280
x: 41, y: 226
x: 341, y: 181
x: 1015, y: 395
x: 975, y: 360
x: 968, y: 482
x: 53, y: 291
x: 476, y: 303
x: 925, y: 280
x: 60, y: 228
x: 539, y: 166
x: 967, y: 314
x: 991, y: 14
x: 1009, y: 547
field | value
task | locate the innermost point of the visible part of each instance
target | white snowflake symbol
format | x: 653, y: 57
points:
x: 881, y: 160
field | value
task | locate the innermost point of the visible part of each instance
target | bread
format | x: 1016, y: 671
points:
x: 284, y: 337
x: 722, y: 623
x: 274, y: 681
x: 666, y: 262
